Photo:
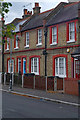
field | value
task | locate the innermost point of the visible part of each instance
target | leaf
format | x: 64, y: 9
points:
x: 6, y: 10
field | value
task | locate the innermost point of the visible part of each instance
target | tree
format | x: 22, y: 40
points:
x: 7, y: 30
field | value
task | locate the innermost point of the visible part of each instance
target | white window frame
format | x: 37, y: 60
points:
x: 58, y: 74
x: 54, y: 34
x: 17, y: 42
x: 7, y: 44
x: 39, y: 37
x: 27, y: 39
x: 71, y: 29
x: 9, y: 68
x: 33, y: 68
x: 19, y: 60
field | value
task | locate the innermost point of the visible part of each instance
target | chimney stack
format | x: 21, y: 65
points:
x: 36, y: 9
x: 27, y: 13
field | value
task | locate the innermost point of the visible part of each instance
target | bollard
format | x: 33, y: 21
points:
x: 46, y: 83
x: 13, y: 79
x: 34, y: 82
x: 63, y: 84
x: 0, y: 78
x: 4, y: 78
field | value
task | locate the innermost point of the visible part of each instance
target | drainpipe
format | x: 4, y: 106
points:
x: 45, y: 51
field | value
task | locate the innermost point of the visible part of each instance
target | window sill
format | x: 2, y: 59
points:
x: 35, y: 73
x: 16, y: 48
x: 53, y: 44
x: 39, y: 44
x: 64, y: 76
x: 70, y: 41
x: 26, y: 46
x: 7, y: 50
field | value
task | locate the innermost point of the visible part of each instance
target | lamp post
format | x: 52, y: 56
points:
x: 3, y: 41
x: 10, y: 86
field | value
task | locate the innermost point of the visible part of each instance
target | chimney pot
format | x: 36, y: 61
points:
x: 36, y: 9
x: 36, y: 4
x: 25, y: 11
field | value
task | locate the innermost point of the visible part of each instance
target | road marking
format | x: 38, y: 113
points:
x: 38, y: 97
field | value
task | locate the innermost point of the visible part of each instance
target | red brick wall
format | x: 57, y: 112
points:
x: 71, y: 86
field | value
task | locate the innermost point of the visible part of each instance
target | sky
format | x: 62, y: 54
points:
x: 16, y: 11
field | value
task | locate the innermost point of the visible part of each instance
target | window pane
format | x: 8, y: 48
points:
x: 10, y: 66
x: 60, y: 66
x: 35, y: 65
x: 7, y: 43
x: 19, y: 65
x: 32, y: 65
x: 27, y: 38
x: 54, y: 34
x: 17, y: 41
x: 71, y: 31
x: 56, y: 66
x: 39, y: 36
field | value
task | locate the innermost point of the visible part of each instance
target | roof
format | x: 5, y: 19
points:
x: 67, y: 13
x: 18, y: 24
x: 36, y: 21
x: 15, y: 21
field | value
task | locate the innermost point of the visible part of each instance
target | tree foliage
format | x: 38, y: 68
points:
x: 7, y: 30
x: 4, y: 8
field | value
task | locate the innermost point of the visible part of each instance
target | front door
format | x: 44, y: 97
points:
x: 24, y: 65
x: 77, y: 69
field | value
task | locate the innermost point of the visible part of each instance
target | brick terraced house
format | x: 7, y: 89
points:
x: 55, y: 34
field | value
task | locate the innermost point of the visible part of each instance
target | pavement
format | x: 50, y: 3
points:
x: 59, y: 97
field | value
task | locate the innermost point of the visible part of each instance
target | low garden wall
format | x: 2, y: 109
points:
x: 71, y: 86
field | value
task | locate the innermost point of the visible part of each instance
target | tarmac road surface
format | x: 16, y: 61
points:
x: 14, y: 106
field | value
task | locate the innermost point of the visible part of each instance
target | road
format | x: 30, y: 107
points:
x: 14, y: 106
